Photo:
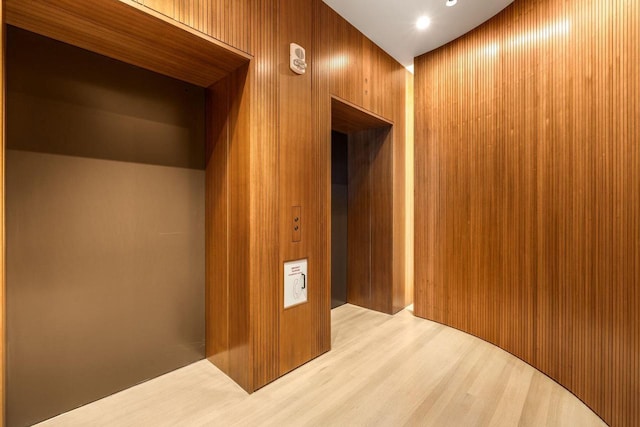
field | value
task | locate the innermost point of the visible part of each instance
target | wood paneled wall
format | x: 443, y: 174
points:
x: 290, y: 124
x: 225, y: 20
x: 269, y: 149
x: 528, y: 192
x: 227, y: 304
x: 298, y: 327
x: 131, y: 33
x: 370, y: 219
x: 3, y: 275
x: 370, y: 210
x: 409, y: 190
x: 264, y: 178
x: 244, y: 303
x: 217, y: 224
x: 254, y: 249
x: 349, y: 66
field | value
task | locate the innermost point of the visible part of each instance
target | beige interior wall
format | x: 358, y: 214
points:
x: 105, y: 226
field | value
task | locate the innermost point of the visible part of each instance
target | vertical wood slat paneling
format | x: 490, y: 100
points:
x: 248, y: 350
x: 216, y: 226
x: 370, y: 219
x: 228, y: 333
x: 527, y: 185
x: 233, y: 337
x: 239, y: 307
x: 2, y: 232
x: 351, y: 67
x: 409, y: 199
x: 396, y: 107
x: 321, y: 187
x: 247, y: 345
x: 298, y: 170
x: 166, y: 7
x: 264, y: 263
x: 626, y: 213
x: 253, y: 26
x: 380, y: 171
x: 225, y: 20
x: 359, y: 219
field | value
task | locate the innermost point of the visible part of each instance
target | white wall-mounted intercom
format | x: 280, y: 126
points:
x: 297, y: 59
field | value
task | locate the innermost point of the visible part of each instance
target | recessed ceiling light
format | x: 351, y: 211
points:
x: 451, y: 2
x: 423, y: 22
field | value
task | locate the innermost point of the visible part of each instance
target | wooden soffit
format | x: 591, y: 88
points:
x: 129, y: 32
x: 347, y: 117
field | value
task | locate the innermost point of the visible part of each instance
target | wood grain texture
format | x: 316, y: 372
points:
x: 359, y: 196
x: 3, y: 244
x: 370, y: 217
x: 228, y: 305
x: 398, y: 184
x: 239, y: 250
x: 216, y: 225
x: 370, y: 214
x: 263, y: 262
x: 383, y: 370
x: 351, y: 69
x: 526, y: 197
x: 321, y: 184
x: 298, y: 328
x: 230, y: 330
x: 289, y: 162
x: 347, y: 117
x: 128, y: 32
x: 225, y: 20
x: 252, y: 177
x: 383, y: 267
x: 409, y: 190
x: 251, y: 212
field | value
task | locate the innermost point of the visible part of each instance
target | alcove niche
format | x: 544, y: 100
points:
x: 362, y: 210
x: 118, y: 122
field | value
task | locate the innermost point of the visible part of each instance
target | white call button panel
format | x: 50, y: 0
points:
x: 295, y: 282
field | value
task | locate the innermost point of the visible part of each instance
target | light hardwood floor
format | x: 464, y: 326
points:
x: 382, y: 371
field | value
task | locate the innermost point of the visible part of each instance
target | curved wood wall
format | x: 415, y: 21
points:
x: 527, y: 192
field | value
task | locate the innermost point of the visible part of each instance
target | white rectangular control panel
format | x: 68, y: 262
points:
x: 295, y: 282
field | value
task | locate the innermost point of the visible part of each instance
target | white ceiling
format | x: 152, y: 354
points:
x: 391, y: 24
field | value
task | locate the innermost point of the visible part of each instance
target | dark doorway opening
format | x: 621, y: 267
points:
x: 339, y: 210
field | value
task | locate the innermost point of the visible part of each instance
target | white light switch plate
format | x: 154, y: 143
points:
x: 295, y: 282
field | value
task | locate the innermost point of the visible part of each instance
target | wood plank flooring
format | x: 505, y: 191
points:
x: 382, y: 371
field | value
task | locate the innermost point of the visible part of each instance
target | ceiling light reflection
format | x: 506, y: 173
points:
x: 542, y: 33
x: 339, y: 61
